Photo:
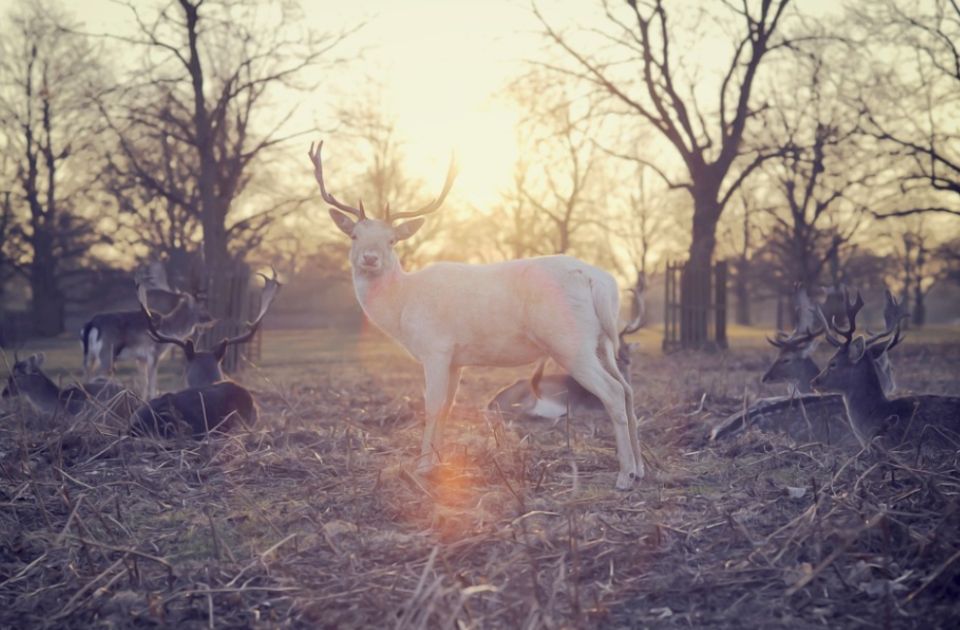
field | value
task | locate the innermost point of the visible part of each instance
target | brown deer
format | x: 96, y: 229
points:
x: 27, y: 380
x: 107, y: 337
x: 793, y: 364
x: 452, y: 315
x: 853, y: 372
x: 816, y: 417
x: 796, y: 367
x: 555, y: 395
x: 211, y: 402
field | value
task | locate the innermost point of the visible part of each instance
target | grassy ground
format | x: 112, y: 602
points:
x: 315, y: 520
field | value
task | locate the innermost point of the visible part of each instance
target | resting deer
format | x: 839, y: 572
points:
x: 28, y: 380
x: 123, y: 334
x: 796, y: 367
x: 853, y: 372
x: 822, y: 418
x: 793, y: 364
x: 211, y: 401
x: 555, y: 395
x: 204, y: 366
x: 452, y: 315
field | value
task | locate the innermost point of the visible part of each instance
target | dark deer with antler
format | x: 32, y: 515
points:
x: 853, y: 372
x: 810, y: 416
x: 211, y: 401
x: 794, y: 364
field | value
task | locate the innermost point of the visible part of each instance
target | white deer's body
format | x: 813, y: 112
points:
x: 451, y: 315
x: 501, y: 314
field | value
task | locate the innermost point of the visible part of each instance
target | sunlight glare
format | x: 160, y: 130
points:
x: 484, y: 140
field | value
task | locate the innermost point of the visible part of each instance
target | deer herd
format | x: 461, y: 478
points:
x: 209, y: 403
x: 449, y: 316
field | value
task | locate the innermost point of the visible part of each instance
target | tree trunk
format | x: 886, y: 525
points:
x: 47, y: 303
x: 695, y: 288
x: 742, y: 290
x: 919, y: 307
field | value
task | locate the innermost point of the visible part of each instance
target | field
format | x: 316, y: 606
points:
x: 316, y: 520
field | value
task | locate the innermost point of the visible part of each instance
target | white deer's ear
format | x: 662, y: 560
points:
x: 857, y: 348
x: 407, y: 229
x: 345, y: 223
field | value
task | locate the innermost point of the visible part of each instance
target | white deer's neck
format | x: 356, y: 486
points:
x: 382, y: 297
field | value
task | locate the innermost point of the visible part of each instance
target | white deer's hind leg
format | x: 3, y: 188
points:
x: 590, y: 373
x: 611, y: 365
x: 441, y: 381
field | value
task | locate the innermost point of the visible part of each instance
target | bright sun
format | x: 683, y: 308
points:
x: 442, y: 68
x: 484, y: 139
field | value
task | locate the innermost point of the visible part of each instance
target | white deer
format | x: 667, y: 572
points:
x: 451, y: 315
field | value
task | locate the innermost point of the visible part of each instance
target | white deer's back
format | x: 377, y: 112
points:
x: 503, y: 313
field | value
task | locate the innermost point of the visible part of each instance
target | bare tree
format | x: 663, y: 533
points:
x: 215, y: 70
x: 562, y: 181
x: 920, y: 262
x: 742, y: 236
x: 45, y: 107
x: 709, y: 142
x: 820, y: 181
x: 152, y: 178
x: 922, y: 131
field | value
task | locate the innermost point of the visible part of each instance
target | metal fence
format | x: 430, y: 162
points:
x: 695, y: 307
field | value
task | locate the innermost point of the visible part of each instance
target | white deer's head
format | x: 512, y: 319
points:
x: 371, y: 253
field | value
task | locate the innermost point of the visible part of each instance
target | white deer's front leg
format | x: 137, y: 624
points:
x: 441, y: 381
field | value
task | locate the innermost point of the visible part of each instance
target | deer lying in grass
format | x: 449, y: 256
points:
x: 211, y: 401
x: 821, y: 418
x: 452, y: 315
x: 796, y: 367
x: 793, y: 364
x: 556, y: 395
x: 853, y: 372
x: 123, y: 334
x: 28, y: 380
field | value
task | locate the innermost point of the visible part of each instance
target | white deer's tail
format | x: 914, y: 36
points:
x: 606, y: 303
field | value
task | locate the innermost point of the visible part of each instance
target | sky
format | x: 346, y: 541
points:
x: 443, y: 66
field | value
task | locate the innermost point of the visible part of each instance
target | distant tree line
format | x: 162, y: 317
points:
x: 802, y: 148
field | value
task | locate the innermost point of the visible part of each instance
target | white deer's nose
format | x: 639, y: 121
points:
x: 370, y: 259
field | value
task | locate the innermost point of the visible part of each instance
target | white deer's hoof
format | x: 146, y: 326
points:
x: 624, y: 481
x: 426, y: 466
x: 640, y: 472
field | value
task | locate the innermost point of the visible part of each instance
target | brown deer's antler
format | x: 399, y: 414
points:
x: 806, y: 329
x: 330, y: 199
x: 852, y: 308
x: 155, y: 334
x: 270, y: 290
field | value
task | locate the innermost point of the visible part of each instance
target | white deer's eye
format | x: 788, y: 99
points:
x: 353, y: 237
x: 393, y: 241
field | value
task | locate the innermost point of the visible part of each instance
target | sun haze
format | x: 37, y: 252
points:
x: 443, y: 67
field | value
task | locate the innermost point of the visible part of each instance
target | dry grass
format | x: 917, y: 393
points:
x: 315, y: 520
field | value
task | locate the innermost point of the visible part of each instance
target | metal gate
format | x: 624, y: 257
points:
x: 695, y: 307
